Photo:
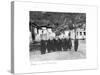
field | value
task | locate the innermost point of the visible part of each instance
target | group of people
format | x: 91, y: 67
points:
x: 57, y: 44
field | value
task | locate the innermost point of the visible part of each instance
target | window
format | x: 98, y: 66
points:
x: 80, y: 33
x: 84, y: 33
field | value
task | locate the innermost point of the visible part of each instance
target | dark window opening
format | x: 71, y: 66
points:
x: 84, y: 33
x: 80, y: 33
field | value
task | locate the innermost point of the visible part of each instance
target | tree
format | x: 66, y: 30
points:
x: 58, y: 21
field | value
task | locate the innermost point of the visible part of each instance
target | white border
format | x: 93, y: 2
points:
x: 21, y: 38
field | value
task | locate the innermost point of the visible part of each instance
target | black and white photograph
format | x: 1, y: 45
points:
x: 52, y: 37
x: 57, y: 35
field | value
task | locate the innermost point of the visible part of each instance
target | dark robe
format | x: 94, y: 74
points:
x: 48, y: 46
x: 55, y: 45
x: 43, y: 46
x: 33, y: 34
x: 75, y: 44
x: 52, y: 45
x: 65, y: 46
x: 69, y: 43
x: 59, y: 44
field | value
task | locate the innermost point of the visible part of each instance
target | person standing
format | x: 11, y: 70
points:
x: 43, y: 43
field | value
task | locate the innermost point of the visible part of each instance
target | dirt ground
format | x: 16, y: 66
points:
x: 61, y: 55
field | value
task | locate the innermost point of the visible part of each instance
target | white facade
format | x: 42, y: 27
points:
x: 44, y: 33
x: 80, y: 34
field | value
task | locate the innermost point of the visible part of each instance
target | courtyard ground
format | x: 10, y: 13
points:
x: 61, y: 55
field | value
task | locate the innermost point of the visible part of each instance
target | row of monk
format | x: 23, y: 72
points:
x: 57, y: 44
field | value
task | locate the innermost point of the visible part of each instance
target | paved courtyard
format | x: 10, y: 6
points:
x: 61, y: 55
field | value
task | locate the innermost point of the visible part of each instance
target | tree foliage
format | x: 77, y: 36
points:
x: 57, y: 20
